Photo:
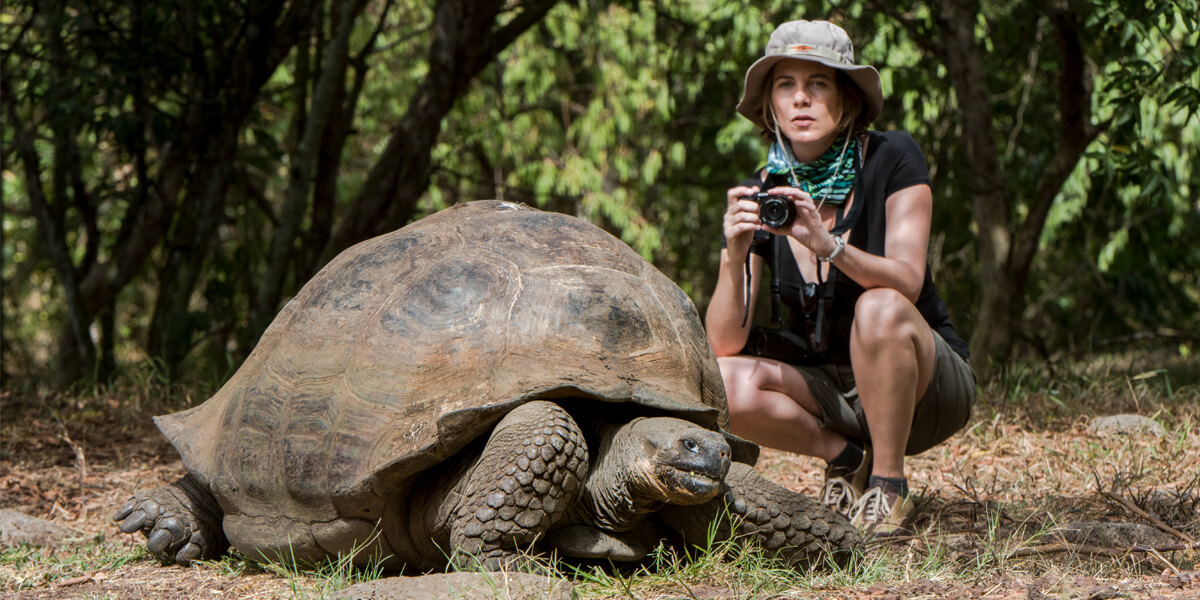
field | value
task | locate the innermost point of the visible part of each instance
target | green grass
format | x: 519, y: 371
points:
x: 1025, y: 466
x: 25, y: 567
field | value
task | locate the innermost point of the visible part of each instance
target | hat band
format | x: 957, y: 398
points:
x: 814, y: 51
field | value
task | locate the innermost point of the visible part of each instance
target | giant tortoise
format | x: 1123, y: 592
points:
x: 490, y: 381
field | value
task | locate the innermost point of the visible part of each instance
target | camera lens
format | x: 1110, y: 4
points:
x: 776, y: 211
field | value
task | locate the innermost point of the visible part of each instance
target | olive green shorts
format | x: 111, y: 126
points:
x: 942, y: 411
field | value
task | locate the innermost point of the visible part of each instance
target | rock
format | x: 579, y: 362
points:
x: 1125, y: 424
x: 19, y: 528
x: 1113, y: 535
x: 461, y: 586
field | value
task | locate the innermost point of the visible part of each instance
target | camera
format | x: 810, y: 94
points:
x: 774, y: 210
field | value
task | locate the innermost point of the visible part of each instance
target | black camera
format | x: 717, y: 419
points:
x: 774, y: 210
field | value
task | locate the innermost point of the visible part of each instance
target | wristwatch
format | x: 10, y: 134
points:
x: 840, y: 245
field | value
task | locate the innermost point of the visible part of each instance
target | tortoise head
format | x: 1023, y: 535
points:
x: 676, y: 461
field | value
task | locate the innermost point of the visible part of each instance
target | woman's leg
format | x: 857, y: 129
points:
x: 770, y: 403
x: 892, y: 353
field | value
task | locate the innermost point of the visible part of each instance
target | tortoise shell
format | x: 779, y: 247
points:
x: 408, y: 346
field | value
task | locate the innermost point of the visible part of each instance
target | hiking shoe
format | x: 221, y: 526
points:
x: 881, y: 512
x: 840, y: 495
x: 843, y: 486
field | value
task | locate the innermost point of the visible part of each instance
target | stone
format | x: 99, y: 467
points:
x: 461, y: 586
x: 1125, y: 424
x: 1113, y: 534
x: 19, y: 528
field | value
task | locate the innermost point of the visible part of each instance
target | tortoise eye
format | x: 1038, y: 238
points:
x: 691, y: 445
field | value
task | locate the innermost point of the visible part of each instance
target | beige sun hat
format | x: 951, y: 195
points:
x: 818, y: 41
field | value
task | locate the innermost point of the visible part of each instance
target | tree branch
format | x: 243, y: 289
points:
x: 330, y: 85
x: 463, y: 43
x: 1075, y: 133
x: 909, y: 24
x: 53, y: 237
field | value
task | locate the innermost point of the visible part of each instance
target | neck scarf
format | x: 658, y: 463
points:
x: 828, y: 179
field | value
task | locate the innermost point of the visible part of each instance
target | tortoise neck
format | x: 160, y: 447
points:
x: 614, y: 496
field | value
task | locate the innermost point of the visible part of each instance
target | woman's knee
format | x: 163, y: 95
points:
x: 741, y: 384
x: 884, y: 313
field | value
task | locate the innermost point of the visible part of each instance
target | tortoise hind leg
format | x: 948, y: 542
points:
x: 529, y: 474
x: 799, y: 529
x: 181, y: 521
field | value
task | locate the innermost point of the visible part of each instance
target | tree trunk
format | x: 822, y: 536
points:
x: 229, y: 89
x: 1007, y: 250
x: 331, y: 79
x: 464, y: 41
x: 992, y: 338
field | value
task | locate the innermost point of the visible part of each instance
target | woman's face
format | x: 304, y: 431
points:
x: 807, y: 106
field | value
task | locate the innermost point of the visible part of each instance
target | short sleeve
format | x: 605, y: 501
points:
x: 908, y: 163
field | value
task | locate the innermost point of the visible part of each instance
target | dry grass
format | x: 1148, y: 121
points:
x: 993, y: 502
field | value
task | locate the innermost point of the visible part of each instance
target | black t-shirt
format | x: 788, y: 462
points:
x: 894, y: 161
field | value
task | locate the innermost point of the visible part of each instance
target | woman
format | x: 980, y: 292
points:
x: 884, y: 374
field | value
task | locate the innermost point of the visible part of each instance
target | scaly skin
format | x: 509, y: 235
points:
x: 799, y: 529
x: 181, y: 521
x: 528, y: 475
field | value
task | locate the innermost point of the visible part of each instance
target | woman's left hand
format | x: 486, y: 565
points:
x: 807, y: 228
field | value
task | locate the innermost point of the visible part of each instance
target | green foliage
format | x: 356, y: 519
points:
x: 619, y: 112
x: 1129, y: 208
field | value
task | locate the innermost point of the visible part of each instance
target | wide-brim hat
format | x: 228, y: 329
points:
x: 817, y: 41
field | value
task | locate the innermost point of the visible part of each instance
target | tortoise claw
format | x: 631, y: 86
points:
x: 133, y: 522
x: 158, y: 541
x: 188, y: 553
x: 123, y: 512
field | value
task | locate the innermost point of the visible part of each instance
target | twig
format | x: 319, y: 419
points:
x: 1149, y: 517
x: 1103, y: 550
x: 1154, y: 553
x: 76, y: 449
x: 95, y: 577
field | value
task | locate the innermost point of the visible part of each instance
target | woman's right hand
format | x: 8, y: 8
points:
x: 741, y: 220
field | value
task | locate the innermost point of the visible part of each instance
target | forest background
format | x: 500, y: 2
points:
x: 174, y: 172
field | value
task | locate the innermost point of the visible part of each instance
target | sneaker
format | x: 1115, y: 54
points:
x: 843, y: 486
x: 839, y: 495
x: 881, y: 512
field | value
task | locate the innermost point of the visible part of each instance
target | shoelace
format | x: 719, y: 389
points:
x: 872, y: 507
x: 839, y: 495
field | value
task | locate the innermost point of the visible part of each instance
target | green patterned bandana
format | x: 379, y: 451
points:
x: 826, y: 179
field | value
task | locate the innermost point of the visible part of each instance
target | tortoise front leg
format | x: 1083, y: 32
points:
x: 181, y: 521
x: 799, y: 529
x: 529, y: 474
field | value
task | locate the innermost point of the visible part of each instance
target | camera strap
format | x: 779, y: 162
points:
x: 776, y: 293
x: 845, y: 220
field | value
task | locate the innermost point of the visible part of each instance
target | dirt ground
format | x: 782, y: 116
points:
x: 990, y: 504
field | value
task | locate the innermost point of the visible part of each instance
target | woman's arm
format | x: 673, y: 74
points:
x: 902, y: 267
x: 723, y: 321
x: 727, y: 307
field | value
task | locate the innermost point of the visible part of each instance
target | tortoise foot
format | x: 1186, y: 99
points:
x: 181, y: 521
x: 793, y: 526
x: 527, y: 477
